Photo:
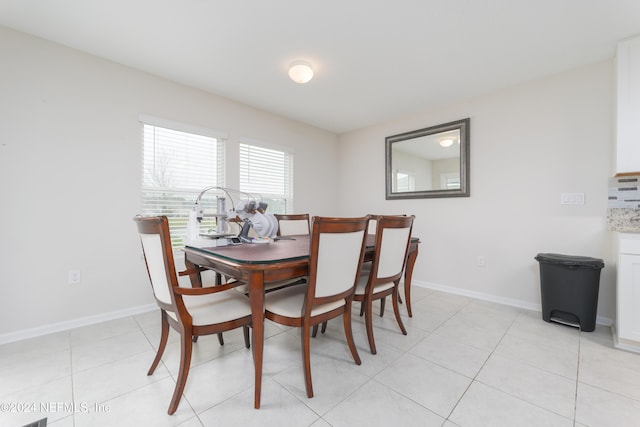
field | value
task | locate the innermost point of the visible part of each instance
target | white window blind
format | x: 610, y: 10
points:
x: 267, y: 172
x: 177, y: 165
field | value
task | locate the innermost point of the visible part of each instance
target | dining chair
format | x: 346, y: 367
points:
x: 373, y: 223
x: 292, y: 224
x: 366, y: 268
x: 192, y: 312
x: 366, y: 265
x: 393, y: 236
x: 336, y: 253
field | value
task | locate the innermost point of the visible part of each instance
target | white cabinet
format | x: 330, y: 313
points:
x: 628, y: 160
x: 628, y: 106
x: 628, y: 299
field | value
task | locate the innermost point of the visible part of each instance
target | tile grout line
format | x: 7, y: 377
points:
x: 575, y: 397
x: 481, y: 367
x: 73, y: 393
x: 531, y: 403
x: 369, y: 381
x: 492, y: 352
x: 474, y: 377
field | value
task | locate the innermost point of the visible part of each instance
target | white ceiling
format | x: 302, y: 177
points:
x: 374, y: 60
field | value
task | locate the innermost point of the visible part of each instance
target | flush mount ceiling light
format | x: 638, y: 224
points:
x: 300, y: 72
x: 447, y: 142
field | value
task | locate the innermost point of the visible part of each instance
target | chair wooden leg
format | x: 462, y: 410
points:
x: 247, y: 343
x: 306, y: 358
x: 186, y: 347
x: 348, y: 331
x: 368, y: 320
x: 164, y: 335
x: 408, y: 274
x: 396, y: 310
x: 220, y: 339
x: 382, y: 301
x: 314, y: 332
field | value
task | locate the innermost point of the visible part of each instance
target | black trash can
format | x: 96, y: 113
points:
x: 569, y: 289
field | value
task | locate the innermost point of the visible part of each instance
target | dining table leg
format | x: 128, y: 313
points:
x: 256, y: 299
x: 408, y: 273
x: 195, y: 277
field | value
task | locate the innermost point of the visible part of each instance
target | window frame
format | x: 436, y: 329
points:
x: 286, y: 196
x: 178, y: 218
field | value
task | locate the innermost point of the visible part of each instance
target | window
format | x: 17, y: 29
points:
x: 450, y: 181
x: 267, y: 172
x: 405, y: 182
x: 178, y: 162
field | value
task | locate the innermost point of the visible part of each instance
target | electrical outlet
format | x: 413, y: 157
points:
x: 74, y: 277
x: 480, y: 261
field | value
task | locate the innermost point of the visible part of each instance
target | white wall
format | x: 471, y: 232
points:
x: 419, y: 167
x: 529, y: 144
x: 70, y: 178
x: 70, y: 167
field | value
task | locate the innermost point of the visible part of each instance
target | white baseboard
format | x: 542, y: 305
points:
x: 74, y: 323
x: 623, y: 344
x: 600, y: 320
x: 132, y: 311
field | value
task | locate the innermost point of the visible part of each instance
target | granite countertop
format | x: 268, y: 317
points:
x: 625, y: 220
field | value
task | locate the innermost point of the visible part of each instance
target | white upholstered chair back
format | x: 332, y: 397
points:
x: 393, y: 251
x: 158, y: 274
x: 293, y: 224
x: 338, y: 262
x: 293, y: 227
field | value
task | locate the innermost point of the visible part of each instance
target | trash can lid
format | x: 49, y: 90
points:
x: 570, y: 260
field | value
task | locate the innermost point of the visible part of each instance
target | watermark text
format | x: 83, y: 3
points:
x: 54, y: 407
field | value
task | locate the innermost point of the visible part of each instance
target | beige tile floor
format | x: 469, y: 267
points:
x: 465, y: 362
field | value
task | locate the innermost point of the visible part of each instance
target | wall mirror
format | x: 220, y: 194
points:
x: 430, y: 162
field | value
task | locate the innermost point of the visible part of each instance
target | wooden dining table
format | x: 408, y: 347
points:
x: 258, y: 264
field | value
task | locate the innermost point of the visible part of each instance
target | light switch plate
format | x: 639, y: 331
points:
x: 572, y: 199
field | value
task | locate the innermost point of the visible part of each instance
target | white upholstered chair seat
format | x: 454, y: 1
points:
x: 362, y: 285
x: 288, y: 302
x: 215, y: 308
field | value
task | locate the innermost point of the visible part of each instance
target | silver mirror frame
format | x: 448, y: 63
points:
x: 464, y: 191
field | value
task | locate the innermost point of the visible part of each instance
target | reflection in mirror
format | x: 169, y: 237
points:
x: 430, y: 162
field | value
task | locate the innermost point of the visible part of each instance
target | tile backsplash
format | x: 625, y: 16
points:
x: 623, y: 209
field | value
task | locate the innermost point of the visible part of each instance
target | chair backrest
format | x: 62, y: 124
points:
x: 393, y: 236
x: 373, y: 223
x: 337, y: 250
x: 158, y: 255
x: 292, y: 224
